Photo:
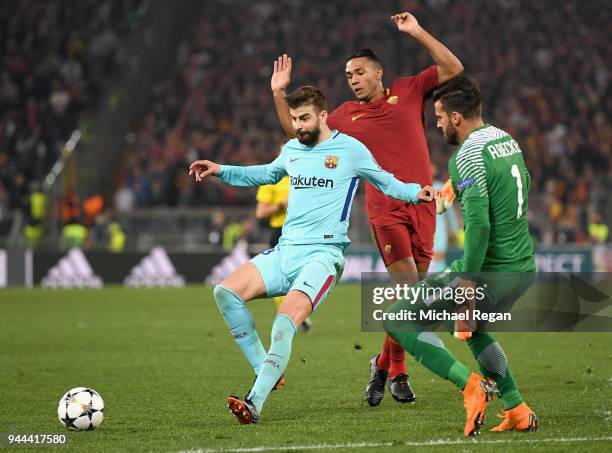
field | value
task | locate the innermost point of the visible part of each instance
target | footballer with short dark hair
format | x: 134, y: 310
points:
x: 491, y: 182
x: 389, y: 121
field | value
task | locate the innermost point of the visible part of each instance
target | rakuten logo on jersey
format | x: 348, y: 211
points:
x: 303, y: 182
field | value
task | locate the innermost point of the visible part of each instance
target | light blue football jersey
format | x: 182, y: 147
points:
x: 323, y: 182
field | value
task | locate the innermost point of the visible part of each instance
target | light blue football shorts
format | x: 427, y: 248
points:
x: 313, y: 269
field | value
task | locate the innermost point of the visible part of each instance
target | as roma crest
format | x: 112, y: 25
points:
x: 331, y: 162
x: 393, y: 100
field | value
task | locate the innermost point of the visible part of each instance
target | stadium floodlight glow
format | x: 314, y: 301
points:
x: 73, y: 140
x: 58, y: 166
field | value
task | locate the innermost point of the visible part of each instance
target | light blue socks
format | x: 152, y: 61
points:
x: 275, y: 361
x: 241, y: 324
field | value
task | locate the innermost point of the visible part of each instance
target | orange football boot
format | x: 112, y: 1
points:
x: 519, y: 418
x: 244, y: 410
x: 477, y: 393
x: 279, y: 383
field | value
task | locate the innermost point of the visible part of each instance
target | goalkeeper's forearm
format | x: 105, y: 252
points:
x: 476, y: 244
x: 477, y: 229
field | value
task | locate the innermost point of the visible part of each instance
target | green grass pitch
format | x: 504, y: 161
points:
x: 164, y: 363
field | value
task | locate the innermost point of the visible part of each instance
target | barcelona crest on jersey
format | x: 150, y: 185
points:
x: 331, y: 162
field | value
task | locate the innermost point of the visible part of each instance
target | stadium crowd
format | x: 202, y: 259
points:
x: 542, y: 70
x: 56, y: 58
x: 541, y: 65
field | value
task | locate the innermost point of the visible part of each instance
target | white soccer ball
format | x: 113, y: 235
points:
x: 81, y: 409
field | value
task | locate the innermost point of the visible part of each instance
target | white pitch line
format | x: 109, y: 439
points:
x: 427, y: 443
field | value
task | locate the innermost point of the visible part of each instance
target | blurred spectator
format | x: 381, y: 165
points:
x: 215, y: 230
x: 105, y: 234
x: 98, y: 232
x: 598, y: 231
x: 124, y: 198
x: 237, y: 231
x: 74, y: 234
x: 231, y: 235
x: 116, y: 241
x: 92, y: 207
x: 71, y: 208
x: 35, y: 212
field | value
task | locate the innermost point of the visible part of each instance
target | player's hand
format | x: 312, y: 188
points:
x: 427, y: 194
x: 407, y: 23
x: 461, y: 333
x: 447, y: 196
x: 463, y: 329
x: 282, y: 74
x: 203, y: 168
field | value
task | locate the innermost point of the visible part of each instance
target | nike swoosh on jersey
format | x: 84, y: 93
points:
x: 355, y: 117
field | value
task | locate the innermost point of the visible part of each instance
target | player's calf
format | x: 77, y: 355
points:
x: 280, y: 383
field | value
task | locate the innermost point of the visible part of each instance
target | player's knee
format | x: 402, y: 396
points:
x: 223, y: 296
x: 404, y: 270
x: 297, y: 306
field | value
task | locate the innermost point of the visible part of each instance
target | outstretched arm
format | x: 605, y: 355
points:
x: 279, y: 83
x: 449, y: 65
x: 367, y: 168
x: 254, y: 175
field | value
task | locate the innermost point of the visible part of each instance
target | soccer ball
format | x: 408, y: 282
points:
x: 81, y: 409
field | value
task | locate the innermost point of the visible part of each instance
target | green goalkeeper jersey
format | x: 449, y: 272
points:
x: 491, y: 182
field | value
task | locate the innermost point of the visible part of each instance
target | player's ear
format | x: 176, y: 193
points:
x: 379, y: 73
x: 323, y: 116
x: 456, y: 118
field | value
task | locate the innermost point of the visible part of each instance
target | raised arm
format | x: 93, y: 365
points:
x: 449, y: 65
x: 366, y: 167
x: 254, y: 175
x: 279, y: 83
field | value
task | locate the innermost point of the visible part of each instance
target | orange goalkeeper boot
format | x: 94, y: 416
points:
x: 519, y: 418
x: 477, y: 393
